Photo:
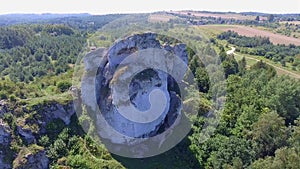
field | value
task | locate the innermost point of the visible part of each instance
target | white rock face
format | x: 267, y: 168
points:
x: 138, y: 92
x: 5, y: 139
x: 56, y: 111
x: 140, y: 100
x: 130, y: 45
x: 64, y: 114
x: 4, y: 134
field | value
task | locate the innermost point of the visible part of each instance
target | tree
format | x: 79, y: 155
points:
x: 242, y: 66
x: 283, y: 63
x: 222, y: 55
x: 57, y: 149
x: 220, y: 150
x: 294, y: 140
x: 270, y: 71
x: 3, y: 95
x: 284, y: 158
x: 230, y: 65
x: 283, y: 96
x: 257, y: 18
x: 269, y: 133
x: 191, y: 53
x: 202, y: 79
x: 63, y: 85
x: 194, y: 64
x: 271, y: 18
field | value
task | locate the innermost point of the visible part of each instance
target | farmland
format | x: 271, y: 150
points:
x: 160, y: 17
x: 218, y: 15
x: 252, y: 31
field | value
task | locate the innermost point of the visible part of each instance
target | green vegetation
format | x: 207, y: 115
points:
x: 261, y: 46
x: 39, y: 54
x: 259, y: 126
x: 255, y: 122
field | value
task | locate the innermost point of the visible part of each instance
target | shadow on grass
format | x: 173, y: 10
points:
x: 179, y: 157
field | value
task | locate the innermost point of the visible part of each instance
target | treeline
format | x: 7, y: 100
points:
x: 46, y: 50
x: 243, y: 41
x: 82, y: 22
x: 90, y: 23
x: 262, y: 46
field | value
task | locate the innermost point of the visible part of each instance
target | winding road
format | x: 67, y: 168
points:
x: 277, y: 68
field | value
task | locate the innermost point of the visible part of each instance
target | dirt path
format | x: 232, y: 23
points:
x: 277, y: 68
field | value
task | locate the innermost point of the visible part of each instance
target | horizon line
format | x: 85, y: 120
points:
x: 146, y: 12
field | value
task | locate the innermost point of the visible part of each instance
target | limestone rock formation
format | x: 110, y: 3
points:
x: 30, y: 128
x: 140, y: 87
x: 63, y: 112
x: 26, y: 134
x: 33, y: 158
x: 45, y: 114
x: 4, y: 134
x: 5, y: 139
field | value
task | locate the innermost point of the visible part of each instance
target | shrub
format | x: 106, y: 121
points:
x: 63, y: 86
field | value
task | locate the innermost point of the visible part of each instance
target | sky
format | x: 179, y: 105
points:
x: 141, y: 6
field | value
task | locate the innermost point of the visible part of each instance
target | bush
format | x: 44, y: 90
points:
x: 12, y: 98
x: 44, y: 141
x: 3, y: 96
x: 63, y: 86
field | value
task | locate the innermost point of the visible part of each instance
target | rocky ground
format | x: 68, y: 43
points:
x: 29, y: 128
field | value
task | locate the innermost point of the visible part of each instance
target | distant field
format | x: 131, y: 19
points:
x: 250, y: 31
x: 225, y: 16
x: 160, y: 17
x: 291, y: 22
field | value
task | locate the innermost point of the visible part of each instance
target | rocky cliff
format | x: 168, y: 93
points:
x: 29, y: 127
x: 5, y: 139
x: 110, y: 93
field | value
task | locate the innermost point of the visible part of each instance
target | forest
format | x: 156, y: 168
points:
x: 259, y: 124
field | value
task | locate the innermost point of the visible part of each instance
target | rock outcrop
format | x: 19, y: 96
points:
x: 33, y: 157
x: 51, y: 111
x: 58, y: 111
x: 140, y: 88
x: 46, y: 113
x: 30, y: 128
x: 3, y: 108
x: 4, y: 133
x: 26, y: 134
x: 5, y: 139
